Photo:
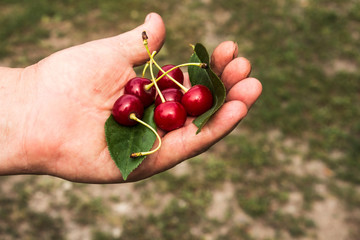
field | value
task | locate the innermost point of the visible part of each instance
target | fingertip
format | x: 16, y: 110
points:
x: 131, y: 43
x: 155, y: 29
x: 147, y: 18
x: 222, y: 55
x: 246, y: 91
x: 237, y: 70
x: 236, y: 50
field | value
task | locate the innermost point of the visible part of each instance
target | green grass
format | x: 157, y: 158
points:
x: 306, y: 55
x: 18, y: 220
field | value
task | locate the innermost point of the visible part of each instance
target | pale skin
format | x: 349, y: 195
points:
x: 53, y: 112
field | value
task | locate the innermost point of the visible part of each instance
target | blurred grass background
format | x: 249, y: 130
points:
x: 289, y: 171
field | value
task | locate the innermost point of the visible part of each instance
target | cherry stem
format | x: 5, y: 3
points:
x: 171, y: 78
x: 145, y: 42
x: 147, y: 87
x: 153, y: 78
x: 144, y: 71
x: 139, y: 154
x: 202, y: 65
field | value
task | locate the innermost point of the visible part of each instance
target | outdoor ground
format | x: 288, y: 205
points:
x: 290, y: 170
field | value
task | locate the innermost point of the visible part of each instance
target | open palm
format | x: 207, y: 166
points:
x: 73, y: 92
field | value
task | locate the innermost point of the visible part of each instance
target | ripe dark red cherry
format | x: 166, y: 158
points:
x: 136, y: 86
x: 170, y: 95
x: 165, y: 82
x: 169, y: 116
x: 124, y: 106
x: 197, y: 100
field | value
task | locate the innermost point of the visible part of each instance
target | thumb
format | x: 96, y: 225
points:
x: 132, y: 47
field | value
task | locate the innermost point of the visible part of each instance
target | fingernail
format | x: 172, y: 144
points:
x: 148, y: 17
x: 236, y: 50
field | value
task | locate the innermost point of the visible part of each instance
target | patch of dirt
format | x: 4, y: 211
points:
x: 340, y: 65
x: 330, y: 218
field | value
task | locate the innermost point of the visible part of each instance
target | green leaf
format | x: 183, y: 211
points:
x: 208, y: 78
x: 123, y: 141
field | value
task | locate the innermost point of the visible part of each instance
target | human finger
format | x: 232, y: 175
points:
x: 248, y: 91
x: 237, y: 70
x: 222, y: 55
x: 130, y: 44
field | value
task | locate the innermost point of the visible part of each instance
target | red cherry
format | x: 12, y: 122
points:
x: 124, y: 106
x: 136, y: 86
x: 170, y: 95
x: 165, y: 82
x: 197, y: 100
x: 169, y: 116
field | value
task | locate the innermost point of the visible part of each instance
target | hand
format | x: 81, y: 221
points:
x: 71, y: 94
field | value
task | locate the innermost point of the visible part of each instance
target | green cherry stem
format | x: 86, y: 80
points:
x: 145, y: 42
x: 139, y: 154
x: 144, y: 71
x: 201, y: 65
x: 172, y: 79
x: 147, y: 87
x: 153, y: 77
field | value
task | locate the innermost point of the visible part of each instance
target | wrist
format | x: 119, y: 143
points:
x: 14, y: 111
x: 12, y: 154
